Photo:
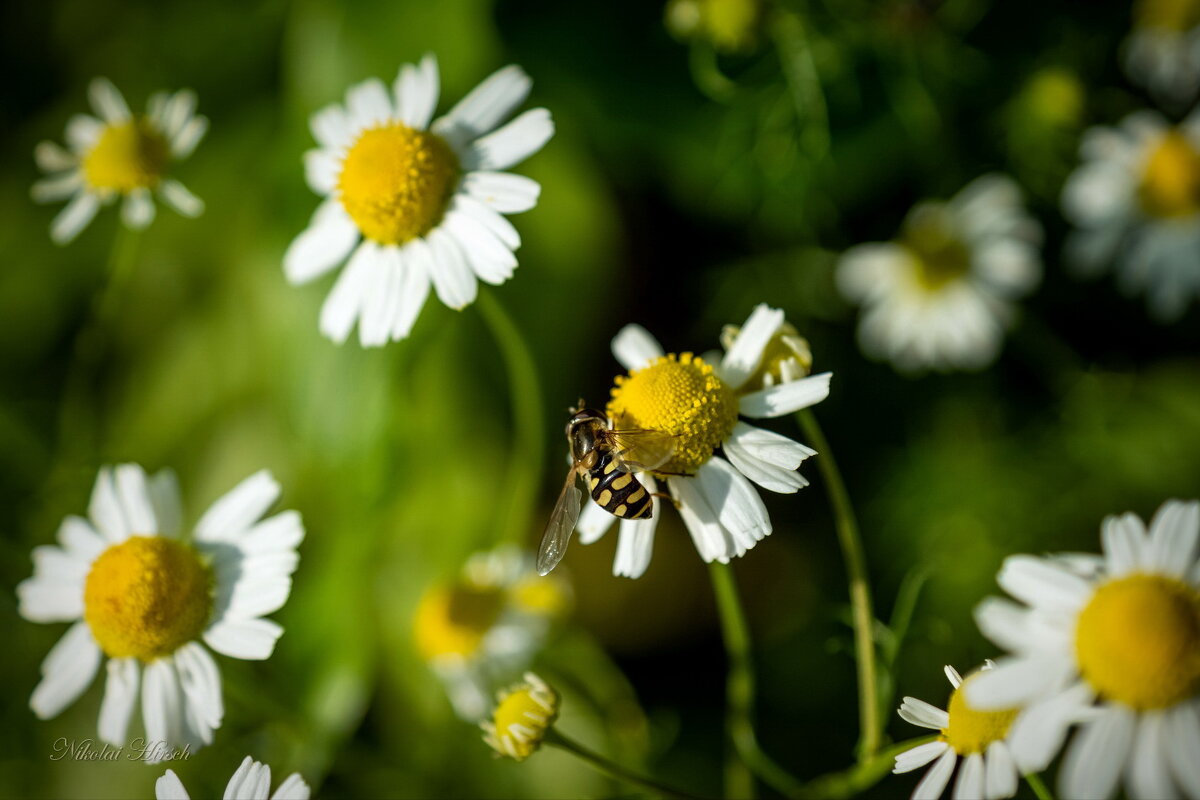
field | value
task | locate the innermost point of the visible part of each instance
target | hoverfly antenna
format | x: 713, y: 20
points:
x: 580, y: 405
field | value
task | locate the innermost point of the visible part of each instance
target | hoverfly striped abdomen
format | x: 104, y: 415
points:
x: 619, y: 493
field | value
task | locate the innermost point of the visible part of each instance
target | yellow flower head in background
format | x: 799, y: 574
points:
x: 522, y: 717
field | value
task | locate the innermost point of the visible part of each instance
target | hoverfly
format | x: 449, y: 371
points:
x: 606, y: 459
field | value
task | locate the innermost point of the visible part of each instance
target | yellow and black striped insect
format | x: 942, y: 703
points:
x: 606, y: 459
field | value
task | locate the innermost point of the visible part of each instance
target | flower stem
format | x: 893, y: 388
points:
x: 859, y: 778
x: 603, y: 765
x: 525, y: 473
x: 870, y: 723
x: 1039, y: 787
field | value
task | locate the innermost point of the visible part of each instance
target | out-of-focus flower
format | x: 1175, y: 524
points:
x: 1136, y: 201
x: 699, y: 403
x: 1163, y: 49
x: 251, y: 781
x: 941, y: 295
x: 413, y: 204
x: 977, y: 737
x: 142, y: 595
x: 1117, y: 652
x: 121, y: 154
x: 487, y: 624
x: 729, y: 25
x: 524, y: 714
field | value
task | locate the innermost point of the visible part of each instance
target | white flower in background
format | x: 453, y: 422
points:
x: 1162, y: 52
x: 941, y: 295
x: 699, y: 404
x: 144, y: 596
x: 251, y: 781
x: 1136, y: 201
x: 524, y: 714
x: 487, y: 624
x: 120, y: 154
x: 412, y: 203
x: 977, y: 737
x: 1116, y: 651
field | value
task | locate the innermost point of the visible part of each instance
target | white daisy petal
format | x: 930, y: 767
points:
x: 1038, y: 732
x: 953, y: 676
x: 746, y: 352
x: 416, y: 91
x: 169, y: 787
x: 935, y: 780
x: 593, y: 522
x: 67, y: 671
x: 52, y: 158
x: 322, y: 168
x: 280, y: 533
x: 292, y: 788
x: 919, y: 756
x: 969, y: 785
x: 785, y: 398
x: 635, y: 541
x: 236, y: 788
x: 416, y: 262
x: 162, y: 490
x: 201, y: 684
x: 453, y: 279
x: 234, y: 513
x: 1042, y: 584
x: 1149, y: 776
x: 513, y: 143
x: 381, y: 297
x: 108, y: 101
x: 56, y: 188
x: 137, y: 211
x: 1000, y: 773
x: 738, y: 507
x: 83, y: 131
x: 768, y: 459
x: 1017, y: 680
x: 369, y: 104
x: 1182, y: 745
x: 502, y: 191
x: 162, y: 711
x: 487, y: 256
x: 133, y: 493
x: 105, y: 509
x: 1174, y: 532
x: 324, y: 244
x: 43, y: 600
x: 332, y: 128
x: 120, y: 696
x: 344, y: 304
x: 486, y: 106
x: 180, y: 198
x: 178, y: 111
x: 248, y: 639
x: 635, y: 348
x: 80, y: 539
x: 500, y: 227
x: 74, y: 217
x: 701, y: 520
x: 922, y: 714
x: 1098, y: 754
x: 1125, y: 544
x: 185, y: 142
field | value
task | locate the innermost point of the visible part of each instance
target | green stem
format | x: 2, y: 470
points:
x: 859, y: 778
x: 525, y: 391
x: 603, y: 765
x: 1039, y: 787
x: 870, y: 723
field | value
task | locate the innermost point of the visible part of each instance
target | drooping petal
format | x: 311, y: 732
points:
x: 1098, y: 755
x: 593, y: 522
x: 344, y: 304
x: 969, y: 785
x: 768, y: 459
x: 1149, y: 775
x: 137, y: 211
x: 1183, y: 742
x: 453, y: 279
x: 1000, y: 773
x: 635, y: 541
x: 698, y: 516
x: 738, y: 507
x: 414, y: 288
x: 935, y: 780
x: 201, y: 684
x: 120, y: 696
x: 488, y: 257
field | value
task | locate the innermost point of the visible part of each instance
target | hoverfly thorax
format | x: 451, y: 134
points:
x: 583, y: 433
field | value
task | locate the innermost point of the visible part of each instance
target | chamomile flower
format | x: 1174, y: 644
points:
x: 976, y: 737
x: 145, y: 597
x: 251, y: 781
x: 700, y: 404
x: 413, y: 204
x: 1162, y: 52
x: 486, y: 624
x: 120, y: 154
x: 1115, y: 650
x: 941, y: 295
x: 1136, y: 201
x: 523, y: 715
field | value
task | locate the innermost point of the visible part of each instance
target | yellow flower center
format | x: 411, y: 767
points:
x: 940, y: 256
x: 970, y: 730
x: 132, y: 155
x: 544, y: 596
x: 532, y: 710
x: 682, y: 396
x: 396, y: 181
x: 1171, y: 15
x: 1170, y: 184
x: 453, y: 619
x: 146, y: 597
x: 1138, y: 641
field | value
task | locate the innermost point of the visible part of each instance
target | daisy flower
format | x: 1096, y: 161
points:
x: 522, y: 717
x: 251, y: 781
x: 412, y: 204
x: 1162, y: 52
x: 968, y: 733
x: 486, y: 624
x: 699, y: 403
x: 1115, y: 650
x: 1136, y: 201
x: 941, y: 295
x: 142, y: 595
x: 120, y: 154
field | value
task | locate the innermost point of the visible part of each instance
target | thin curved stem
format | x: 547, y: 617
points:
x: 1039, y: 787
x: 859, y: 778
x: 525, y: 397
x: 611, y: 769
x: 870, y: 723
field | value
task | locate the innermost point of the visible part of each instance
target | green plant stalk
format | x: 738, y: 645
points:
x: 1039, y: 787
x: 859, y: 778
x: 613, y: 770
x: 870, y: 723
x: 528, y: 410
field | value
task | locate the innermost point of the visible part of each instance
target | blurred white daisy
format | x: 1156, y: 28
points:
x: 412, y: 203
x: 977, y: 737
x: 940, y: 296
x: 699, y: 403
x: 1116, y: 651
x: 1136, y: 201
x: 144, y: 596
x: 120, y: 154
x: 487, y: 624
x: 251, y: 781
x: 1162, y: 52
x: 523, y: 715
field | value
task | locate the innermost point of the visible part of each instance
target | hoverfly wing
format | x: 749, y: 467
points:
x: 560, y: 527
x: 640, y: 449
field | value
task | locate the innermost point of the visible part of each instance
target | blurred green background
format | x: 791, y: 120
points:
x: 675, y: 196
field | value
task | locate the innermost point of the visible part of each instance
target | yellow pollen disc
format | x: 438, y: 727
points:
x: 1171, y: 15
x: 940, y: 256
x: 396, y: 181
x: 971, y: 731
x: 532, y: 709
x: 132, y: 155
x: 1138, y: 641
x: 541, y: 595
x: 682, y: 396
x: 452, y: 620
x: 1170, y: 185
x: 146, y: 597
